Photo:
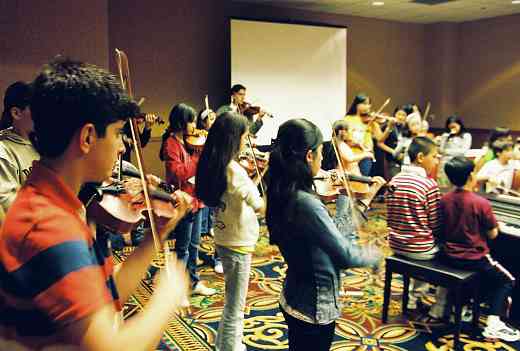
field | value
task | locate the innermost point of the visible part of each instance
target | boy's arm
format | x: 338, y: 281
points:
x: 132, y: 270
x: 489, y: 223
x: 433, y: 198
x: 100, y: 332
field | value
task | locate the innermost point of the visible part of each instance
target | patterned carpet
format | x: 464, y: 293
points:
x: 359, y: 328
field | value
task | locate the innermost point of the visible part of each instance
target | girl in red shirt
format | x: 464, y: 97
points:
x: 181, y: 167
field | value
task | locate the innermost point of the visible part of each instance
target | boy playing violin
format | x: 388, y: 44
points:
x: 57, y: 283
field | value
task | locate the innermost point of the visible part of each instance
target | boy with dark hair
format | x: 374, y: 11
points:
x: 413, y: 205
x: 413, y: 210
x: 16, y: 151
x: 468, y: 223
x: 500, y: 170
x: 57, y: 283
x: 238, y: 96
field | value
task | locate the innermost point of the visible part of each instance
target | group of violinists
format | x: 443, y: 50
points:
x: 60, y: 288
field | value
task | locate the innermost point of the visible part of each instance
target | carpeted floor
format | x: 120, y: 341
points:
x: 359, y: 328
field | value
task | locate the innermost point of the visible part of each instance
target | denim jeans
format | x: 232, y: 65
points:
x: 343, y: 217
x: 307, y: 336
x: 206, y: 219
x: 237, y: 267
x: 187, y: 235
x: 365, y: 166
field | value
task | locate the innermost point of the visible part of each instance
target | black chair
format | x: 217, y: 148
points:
x: 458, y: 282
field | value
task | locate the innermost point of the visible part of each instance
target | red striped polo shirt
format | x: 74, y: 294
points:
x: 52, y: 270
x: 413, y: 214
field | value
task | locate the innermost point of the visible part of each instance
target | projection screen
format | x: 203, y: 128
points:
x: 291, y: 71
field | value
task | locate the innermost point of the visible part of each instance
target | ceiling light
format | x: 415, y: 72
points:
x: 381, y: 3
x: 515, y: 2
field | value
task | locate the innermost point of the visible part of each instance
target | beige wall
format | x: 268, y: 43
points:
x: 178, y: 52
x: 440, y: 89
x: 33, y: 32
x: 488, y: 79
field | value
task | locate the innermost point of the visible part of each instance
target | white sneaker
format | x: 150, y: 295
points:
x: 412, y: 302
x: 185, y: 303
x: 201, y: 289
x: 500, y: 330
x: 218, y: 267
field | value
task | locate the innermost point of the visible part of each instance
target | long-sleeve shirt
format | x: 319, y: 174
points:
x: 456, y: 145
x: 181, y: 168
x: 413, y: 211
x: 236, y: 224
x: 16, y: 158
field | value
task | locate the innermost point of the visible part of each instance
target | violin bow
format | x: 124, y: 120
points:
x: 206, y: 102
x: 345, y: 181
x: 426, y: 111
x: 387, y: 101
x: 126, y: 82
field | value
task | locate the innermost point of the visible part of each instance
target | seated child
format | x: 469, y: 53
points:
x: 468, y: 221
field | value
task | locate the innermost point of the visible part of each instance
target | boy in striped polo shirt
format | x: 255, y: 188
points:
x: 57, y: 283
x: 413, y: 216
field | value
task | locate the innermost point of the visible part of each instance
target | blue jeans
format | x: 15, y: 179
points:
x: 187, y: 235
x: 206, y: 219
x: 343, y: 217
x: 237, y: 267
x: 365, y: 166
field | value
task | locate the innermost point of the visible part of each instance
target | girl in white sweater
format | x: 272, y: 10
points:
x: 222, y: 183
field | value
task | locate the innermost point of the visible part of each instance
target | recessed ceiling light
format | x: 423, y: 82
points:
x: 515, y: 2
x: 381, y: 3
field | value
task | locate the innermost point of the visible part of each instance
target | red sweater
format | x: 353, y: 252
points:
x: 180, y: 166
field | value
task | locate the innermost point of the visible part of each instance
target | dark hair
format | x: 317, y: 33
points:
x: 289, y: 172
x: 222, y: 145
x: 458, y: 170
x: 340, y: 125
x: 236, y: 88
x: 330, y: 161
x: 408, y: 108
x: 498, y: 133
x: 69, y: 94
x: 422, y: 145
x: 18, y: 95
x: 180, y: 115
x: 500, y: 146
x: 458, y: 120
x: 358, y: 99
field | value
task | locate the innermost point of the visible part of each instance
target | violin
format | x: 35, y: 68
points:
x: 120, y: 205
x: 128, y: 170
x: 141, y: 118
x: 249, y: 110
x: 330, y: 185
x: 246, y: 161
x: 196, y: 140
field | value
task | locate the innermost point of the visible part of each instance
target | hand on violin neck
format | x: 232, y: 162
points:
x: 153, y: 180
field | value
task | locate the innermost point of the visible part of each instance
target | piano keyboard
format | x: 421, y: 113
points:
x: 507, y: 211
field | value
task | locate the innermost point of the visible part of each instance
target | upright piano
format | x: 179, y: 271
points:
x: 506, y: 247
